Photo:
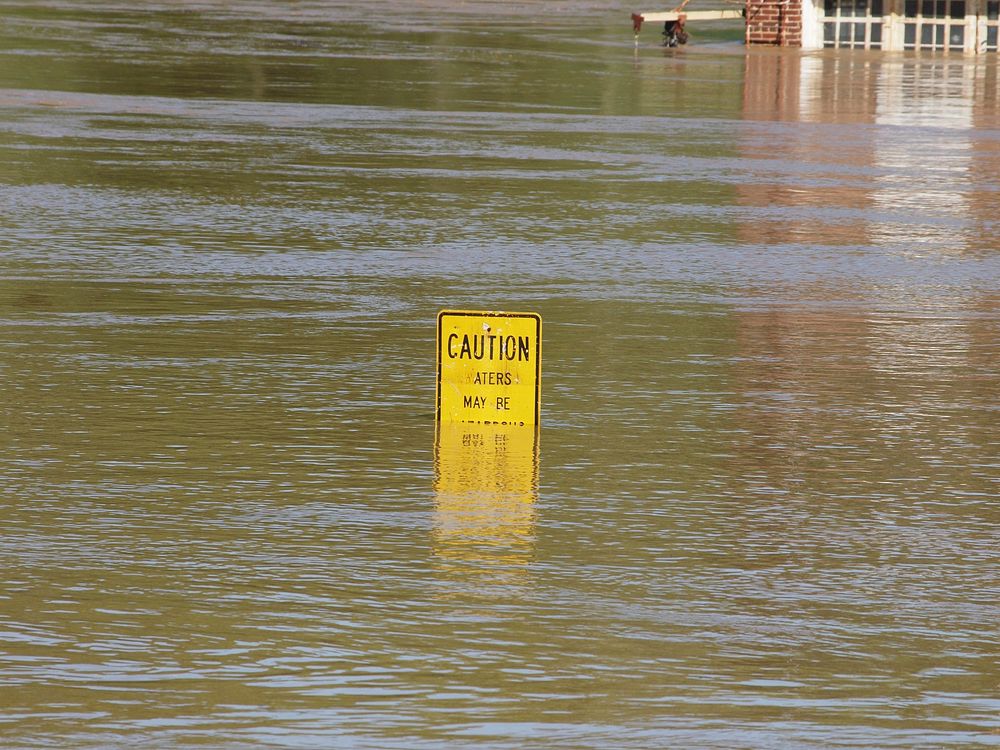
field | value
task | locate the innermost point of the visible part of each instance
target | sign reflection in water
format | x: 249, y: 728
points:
x: 485, y: 490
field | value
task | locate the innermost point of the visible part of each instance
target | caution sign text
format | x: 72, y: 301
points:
x: 489, y: 367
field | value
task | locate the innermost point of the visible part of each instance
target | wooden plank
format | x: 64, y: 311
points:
x: 693, y: 15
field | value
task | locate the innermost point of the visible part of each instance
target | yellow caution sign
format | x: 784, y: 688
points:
x: 489, y: 367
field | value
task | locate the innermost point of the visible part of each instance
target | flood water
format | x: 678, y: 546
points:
x: 761, y: 508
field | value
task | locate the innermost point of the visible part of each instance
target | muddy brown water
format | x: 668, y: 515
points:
x: 761, y: 510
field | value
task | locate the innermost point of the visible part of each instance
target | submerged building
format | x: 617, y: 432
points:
x: 968, y: 26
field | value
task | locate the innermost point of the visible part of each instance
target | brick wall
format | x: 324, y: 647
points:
x: 774, y: 22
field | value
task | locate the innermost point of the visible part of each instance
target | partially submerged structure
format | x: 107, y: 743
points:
x: 969, y: 26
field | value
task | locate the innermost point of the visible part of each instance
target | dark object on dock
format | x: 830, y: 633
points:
x: 674, y: 33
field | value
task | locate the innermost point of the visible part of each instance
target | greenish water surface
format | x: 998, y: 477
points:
x: 761, y: 509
